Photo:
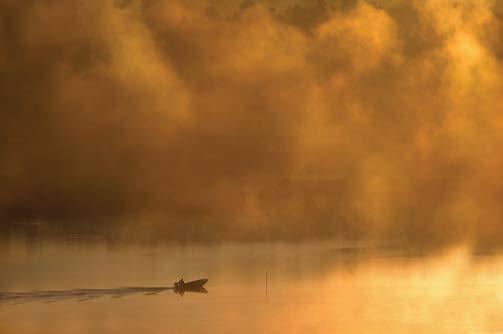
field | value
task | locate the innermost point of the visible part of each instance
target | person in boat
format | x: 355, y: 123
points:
x: 181, y: 282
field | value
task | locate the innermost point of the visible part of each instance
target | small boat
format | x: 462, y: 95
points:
x: 190, y: 286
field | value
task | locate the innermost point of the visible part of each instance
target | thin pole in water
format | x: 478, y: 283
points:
x: 266, y: 283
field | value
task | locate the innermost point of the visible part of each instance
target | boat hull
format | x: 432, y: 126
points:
x: 191, y: 286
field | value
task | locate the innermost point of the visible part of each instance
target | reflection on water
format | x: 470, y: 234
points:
x: 314, y: 288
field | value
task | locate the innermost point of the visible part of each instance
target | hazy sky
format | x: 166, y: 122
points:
x: 340, y: 118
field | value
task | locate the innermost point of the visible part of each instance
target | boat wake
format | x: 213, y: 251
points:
x: 50, y: 296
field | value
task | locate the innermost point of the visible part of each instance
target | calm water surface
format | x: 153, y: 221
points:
x: 312, y: 288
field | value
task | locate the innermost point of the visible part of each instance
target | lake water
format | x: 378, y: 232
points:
x: 311, y: 288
